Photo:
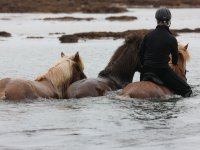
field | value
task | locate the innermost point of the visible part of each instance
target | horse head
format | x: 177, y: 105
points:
x: 184, y: 56
x: 67, y: 70
x: 78, y: 66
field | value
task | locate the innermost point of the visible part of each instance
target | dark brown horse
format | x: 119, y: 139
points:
x: 51, y: 84
x: 147, y: 89
x: 117, y: 74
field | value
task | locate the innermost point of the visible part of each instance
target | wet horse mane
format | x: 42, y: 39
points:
x: 60, y: 74
x: 124, y: 61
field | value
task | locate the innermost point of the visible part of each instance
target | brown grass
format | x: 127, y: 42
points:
x: 116, y: 35
x: 87, y: 6
x: 121, y: 18
x: 5, y: 34
x: 67, y: 18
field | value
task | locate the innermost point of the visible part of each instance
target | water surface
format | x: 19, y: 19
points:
x: 93, y: 123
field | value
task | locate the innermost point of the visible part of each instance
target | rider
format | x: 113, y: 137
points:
x: 154, y: 54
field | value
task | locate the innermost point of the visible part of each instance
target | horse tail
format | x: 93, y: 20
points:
x: 2, y: 96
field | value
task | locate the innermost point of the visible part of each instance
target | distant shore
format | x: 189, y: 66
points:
x: 74, y: 38
x: 88, y: 6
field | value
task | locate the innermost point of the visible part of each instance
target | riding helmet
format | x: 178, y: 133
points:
x: 163, y: 14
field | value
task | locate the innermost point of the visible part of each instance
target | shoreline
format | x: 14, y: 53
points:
x: 74, y: 38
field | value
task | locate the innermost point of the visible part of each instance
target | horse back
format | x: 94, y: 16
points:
x: 145, y: 90
x: 16, y: 89
x: 92, y: 87
x: 44, y: 89
x: 3, y: 82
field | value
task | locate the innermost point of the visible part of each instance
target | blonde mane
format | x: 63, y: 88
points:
x: 59, y: 75
x: 183, y: 50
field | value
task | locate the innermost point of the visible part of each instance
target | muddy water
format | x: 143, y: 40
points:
x: 93, y: 123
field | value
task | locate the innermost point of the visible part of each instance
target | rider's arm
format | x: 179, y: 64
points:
x: 174, y: 51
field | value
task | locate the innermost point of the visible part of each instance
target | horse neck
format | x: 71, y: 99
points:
x: 59, y: 77
x: 179, y: 70
x: 121, y: 69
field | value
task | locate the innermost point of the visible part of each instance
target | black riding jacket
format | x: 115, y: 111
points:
x: 156, y: 47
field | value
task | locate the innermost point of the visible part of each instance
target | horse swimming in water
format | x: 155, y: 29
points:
x: 51, y: 84
x: 148, y: 89
x: 117, y: 74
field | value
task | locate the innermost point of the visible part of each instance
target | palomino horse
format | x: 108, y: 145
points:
x: 147, y: 89
x: 117, y: 74
x: 51, y: 84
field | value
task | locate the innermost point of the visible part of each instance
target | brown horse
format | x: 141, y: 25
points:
x: 51, y: 84
x: 117, y: 74
x: 147, y: 89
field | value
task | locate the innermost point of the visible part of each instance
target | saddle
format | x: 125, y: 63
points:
x: 148, y: 76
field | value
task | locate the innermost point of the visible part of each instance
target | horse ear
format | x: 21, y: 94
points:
x: 186, y: 46
x: 76, y: 57
x: 62, y: 54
